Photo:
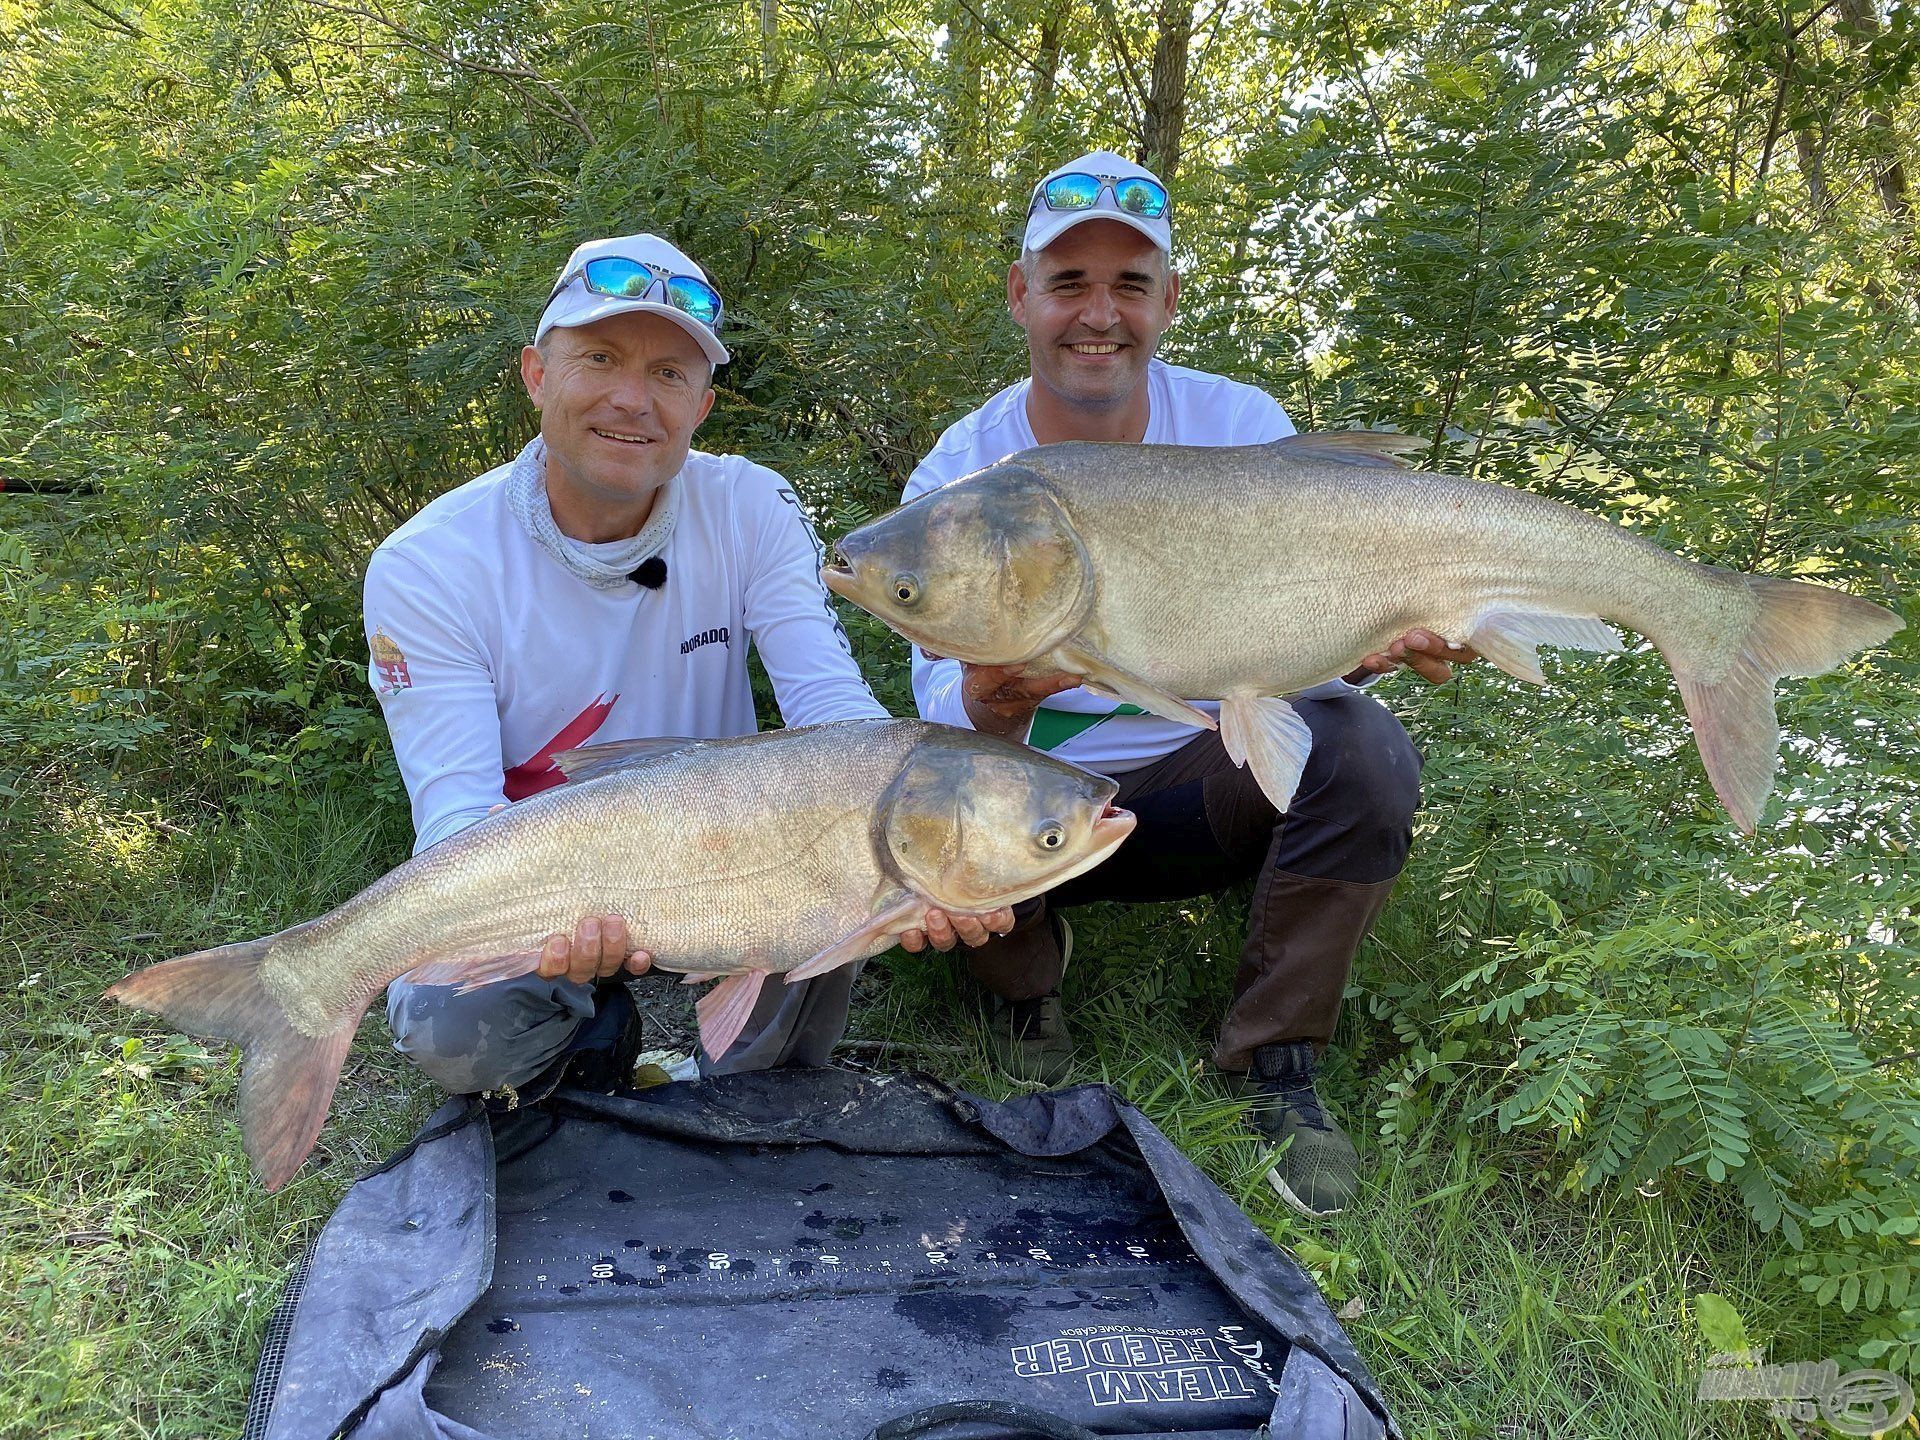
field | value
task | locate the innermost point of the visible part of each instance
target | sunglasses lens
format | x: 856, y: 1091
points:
x: 1072, y: 192
x: 1140, y: 197
x: 613, y: 275
x: 697, y: 298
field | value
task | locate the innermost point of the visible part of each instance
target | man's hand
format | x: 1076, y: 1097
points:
x: 1422, y: 652
x: 598, y: 948
x: 1001, y: 699
x: 943, y: 929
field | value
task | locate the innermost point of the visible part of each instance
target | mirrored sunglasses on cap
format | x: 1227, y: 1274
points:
x: 619, y: 278
x: 1134, y: 195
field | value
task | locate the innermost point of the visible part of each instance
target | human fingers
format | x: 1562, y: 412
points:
x: 913, y: 941
x: 639, y: 962
x: 555, y: 954
x: 971, y: 929
x: 1429, y: 656
x: 584, y: 967
x: 614, y: 944
x: 1039, y: 687
x: 939, y: 930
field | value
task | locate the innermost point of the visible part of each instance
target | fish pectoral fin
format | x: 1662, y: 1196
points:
x: 1267, y: 735
x: 1511, y: 639
x: 886, y: 926
x: 725, y: 1009
x: 1101, y: 674
x: 1349, y: 447
x: 470, y: 972
x: 586, y: 762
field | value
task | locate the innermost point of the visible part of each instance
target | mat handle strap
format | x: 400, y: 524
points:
x: 1015, y: 1420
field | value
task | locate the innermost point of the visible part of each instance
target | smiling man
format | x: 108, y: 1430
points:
x: 1093, y: 290
x: 604, y: 585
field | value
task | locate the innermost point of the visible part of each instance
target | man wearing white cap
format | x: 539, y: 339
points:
x: 602, y: 586
x: 1093, y: 289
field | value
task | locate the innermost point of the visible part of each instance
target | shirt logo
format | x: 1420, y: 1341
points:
x: 538, y: 772
x: 721, y: 636
x: 389, y: 663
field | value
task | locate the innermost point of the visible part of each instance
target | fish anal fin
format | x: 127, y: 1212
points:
x: 470, y: 972
x: 1376, y: 448
x: 1510, y: 639
x: 1267, y: 735
x: 725, y: 1009
x: 586, y: 762
x: 869, y: 939
x: 1101, y: 674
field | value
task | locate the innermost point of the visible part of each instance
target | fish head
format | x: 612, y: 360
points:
x: 972, y: 822
x: 988, y: 569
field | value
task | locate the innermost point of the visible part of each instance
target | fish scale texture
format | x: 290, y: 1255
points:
x: 727, y: 856
x: 1227, y: 571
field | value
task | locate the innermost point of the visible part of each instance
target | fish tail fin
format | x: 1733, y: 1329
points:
x: 287, y: 1077
x: 1799, y: 629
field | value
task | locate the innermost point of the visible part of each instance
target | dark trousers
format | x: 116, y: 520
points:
x: 1324, y: 869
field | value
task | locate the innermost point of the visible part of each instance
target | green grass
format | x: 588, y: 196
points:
x: 139, y: 1261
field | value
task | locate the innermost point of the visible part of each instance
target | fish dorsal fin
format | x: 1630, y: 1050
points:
x: 1350, y: 447
x: 585, y: 762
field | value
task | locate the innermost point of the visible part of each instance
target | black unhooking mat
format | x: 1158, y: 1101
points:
x: 801, y: 1255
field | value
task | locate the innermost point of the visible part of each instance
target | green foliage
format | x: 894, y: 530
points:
x: 267, y: 271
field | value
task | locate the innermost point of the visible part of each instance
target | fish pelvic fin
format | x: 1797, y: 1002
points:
x: 1267, y: 735
x: 1099, y: 673
x: 587, y: 762
x: 725, y: 1009
x: 1800, y: 629
x: 1377, y: 448
x: 287, y: 1077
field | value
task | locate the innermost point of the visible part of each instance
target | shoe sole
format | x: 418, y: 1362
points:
x: 1295, y: 1203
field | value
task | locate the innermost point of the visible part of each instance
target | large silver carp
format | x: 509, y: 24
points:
x: 787, y: 853
x: 1161, y: 574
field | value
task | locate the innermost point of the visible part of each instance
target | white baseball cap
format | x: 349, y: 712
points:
x: 1045, y: 225
x: 654, y: 266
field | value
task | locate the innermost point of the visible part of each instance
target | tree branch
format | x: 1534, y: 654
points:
x: 118, y: 21
x: 519, y: 76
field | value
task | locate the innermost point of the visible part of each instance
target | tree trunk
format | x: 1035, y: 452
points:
x: 1046, y: 68
x: 1166, y: 114
x: 1813, y: 170
x: 1859, y: 24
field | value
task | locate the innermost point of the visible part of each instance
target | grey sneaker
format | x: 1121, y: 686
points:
x: 1315, y: 1168
x: 1029, y: 1039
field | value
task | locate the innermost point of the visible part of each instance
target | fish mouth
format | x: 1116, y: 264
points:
x: 837, y: 576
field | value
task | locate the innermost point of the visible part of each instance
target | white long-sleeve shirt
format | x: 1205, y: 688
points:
x: 1184, y: 407
x: 488, y: 655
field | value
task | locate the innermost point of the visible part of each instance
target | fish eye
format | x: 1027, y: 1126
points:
x: 1052, y: 835
x: 906, y: 589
